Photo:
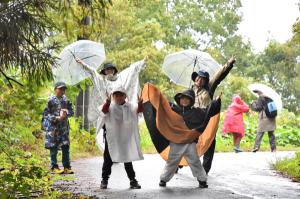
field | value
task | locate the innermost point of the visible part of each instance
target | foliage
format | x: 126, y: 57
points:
x: 31, y: 31
x: 24, y: 27
x: 22, y: 168
x: 78, y: 19
x: 23, y: 159
x: 27, y: 29
x: 21, y: 172
x: 296, y: 30
x: 146, y: 142
x: 287, y: 134
x: 278, y: 66
x: 289, y: 167
x: 83, y: 143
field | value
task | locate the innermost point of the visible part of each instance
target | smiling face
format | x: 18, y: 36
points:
x: 109, y: 71
x: 184, y: 101
x: 200, y: 81
x: 119, y: 98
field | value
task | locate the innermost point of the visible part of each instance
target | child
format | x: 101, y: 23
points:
x: 55, y: 123
x: 234, y: 123
x: 185, y: 101
x: 122, y: 140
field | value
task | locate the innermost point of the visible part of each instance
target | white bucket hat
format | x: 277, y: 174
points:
x: 120, y: 89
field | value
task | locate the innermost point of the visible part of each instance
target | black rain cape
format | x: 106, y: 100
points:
x: 165, y: 125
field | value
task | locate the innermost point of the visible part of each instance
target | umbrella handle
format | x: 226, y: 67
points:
x: 195, y: 62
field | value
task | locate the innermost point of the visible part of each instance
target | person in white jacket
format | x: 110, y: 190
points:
x: 122, y: 139
x: 103, y: 83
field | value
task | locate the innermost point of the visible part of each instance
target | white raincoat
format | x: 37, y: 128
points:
x: 128, y: 79
x: 122, y: 132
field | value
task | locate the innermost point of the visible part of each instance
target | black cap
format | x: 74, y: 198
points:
x: 187, y: 93
x: 108, y: 65
x: 201, y: 73
x: 60, y: 85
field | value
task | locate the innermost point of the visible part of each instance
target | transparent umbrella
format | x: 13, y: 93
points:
x: 71, y: 72
x: 267, y: 91
x: 179, y: 66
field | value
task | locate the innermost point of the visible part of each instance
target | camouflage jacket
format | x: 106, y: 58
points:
x: 57, y: 131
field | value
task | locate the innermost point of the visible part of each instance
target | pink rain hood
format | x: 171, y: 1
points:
x: 233, y: 122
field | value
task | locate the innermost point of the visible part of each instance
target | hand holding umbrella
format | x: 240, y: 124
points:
x: 180, y: 65
x: 266, y: 91
x: 69, y: 69
x: 231, y: 61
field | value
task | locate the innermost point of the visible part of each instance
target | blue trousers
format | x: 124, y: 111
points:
x: 65, y: 156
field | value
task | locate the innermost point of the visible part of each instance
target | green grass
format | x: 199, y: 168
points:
x: 223, y: 144
x: 289, y: 167
x: 146, y: 142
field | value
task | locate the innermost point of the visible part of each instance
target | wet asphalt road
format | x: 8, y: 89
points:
x: 243, y: 175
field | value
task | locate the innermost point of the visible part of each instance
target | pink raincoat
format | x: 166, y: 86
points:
x: 233, y: 122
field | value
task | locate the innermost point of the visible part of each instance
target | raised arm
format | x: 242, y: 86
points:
x: 220, y: 75
x: 87, y: 68
x: 257, y: 105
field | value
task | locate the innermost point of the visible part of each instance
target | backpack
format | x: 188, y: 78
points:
x: 270, y: 108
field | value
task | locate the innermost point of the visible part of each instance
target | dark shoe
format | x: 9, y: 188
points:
x: 162, y: 184
x: 103, y: 184
x: 237, y: 150
x: 179, y: 167
x: 134, y: 184
x: 255, y: 150
x: 203, y: 184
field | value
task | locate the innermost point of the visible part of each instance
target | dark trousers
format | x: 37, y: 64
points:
x: 65, y: 156
x: 107, y: 164
x: 209, y: 156
x: 259, y: 136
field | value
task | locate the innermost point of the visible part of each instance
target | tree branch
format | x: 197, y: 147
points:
x: 10, y: 79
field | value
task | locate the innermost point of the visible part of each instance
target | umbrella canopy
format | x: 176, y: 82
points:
x: 267, y: 91
x: 71, y: 72
x: 179, y: 66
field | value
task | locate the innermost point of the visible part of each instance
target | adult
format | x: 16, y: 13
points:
x: 105, y: 81
x: 234, y: 123
x: 265, y: 123
x: 204, y: 88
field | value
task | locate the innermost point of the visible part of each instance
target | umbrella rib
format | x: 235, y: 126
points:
x: 88, y: 57
x: 69, y: 68
x: 188, y: 56
x: 72, y: 53
x: 184, y: 70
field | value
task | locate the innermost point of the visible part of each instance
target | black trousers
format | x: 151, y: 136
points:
x: 107, y: 164
x: 209, y: 156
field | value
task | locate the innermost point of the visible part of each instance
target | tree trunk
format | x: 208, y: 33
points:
x: 82, y: 100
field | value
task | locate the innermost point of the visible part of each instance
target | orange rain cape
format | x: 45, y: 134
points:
x: 165, y: 125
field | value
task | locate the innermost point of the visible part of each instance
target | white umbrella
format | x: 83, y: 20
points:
x: 71, y: 72
x: 179, y: 66
x: 267, y: 91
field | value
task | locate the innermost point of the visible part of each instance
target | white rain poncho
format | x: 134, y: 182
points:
x: 103, y: 85
x: 122, y: 133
